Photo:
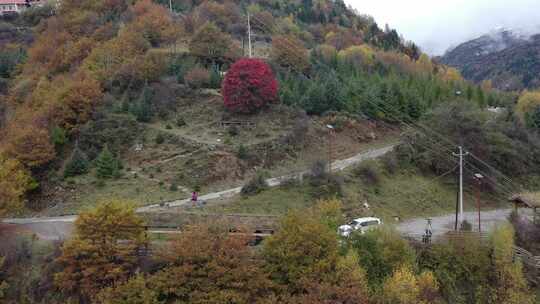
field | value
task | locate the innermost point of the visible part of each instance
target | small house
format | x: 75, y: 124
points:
x: 528, y: 200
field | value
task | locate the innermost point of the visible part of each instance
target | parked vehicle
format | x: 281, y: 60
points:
x: 362, y: 225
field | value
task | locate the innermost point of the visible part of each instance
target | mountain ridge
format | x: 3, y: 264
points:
x: 509, y: 58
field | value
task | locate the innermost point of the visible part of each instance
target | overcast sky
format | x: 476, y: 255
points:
x: 436, y: 25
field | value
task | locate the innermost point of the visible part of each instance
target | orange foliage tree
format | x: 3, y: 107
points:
x: 76, y: 101
x: 288, y: 51
x: 206, y: 264
x: 223, y: 15
x: 102, y: 251
x: 211, y: 43
x: 29, y: 143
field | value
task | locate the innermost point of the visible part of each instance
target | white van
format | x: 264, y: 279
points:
x: 362, y: 224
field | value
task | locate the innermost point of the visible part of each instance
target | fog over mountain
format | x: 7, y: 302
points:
x: 442, y: 24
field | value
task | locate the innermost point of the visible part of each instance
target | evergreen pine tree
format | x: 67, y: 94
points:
x: 77, y: 163
x: 480, y: 97
x: 106, y: 164
x: 125, y: 103
x: 58, y: 137
x: 469, y: 92
x: 143, y: 108
x: 215, y: 78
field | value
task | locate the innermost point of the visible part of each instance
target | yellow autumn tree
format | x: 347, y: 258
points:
x: 358, y: 56
x: 508, y: 282
x: 527, y: 102
x: 103, y: 250
x: 304, y: 255
x: 210, y: 43
x: 487, y: 85
x: 137, y: 290
x: 424, y: 64
x: 14, y: 182
x: 3, y: 284
x: 289, y: 51
x: 450, y: 75
x: 326, y: 52
x: 404, y: 287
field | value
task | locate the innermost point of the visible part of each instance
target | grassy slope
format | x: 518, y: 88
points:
x: 406, y: 194
x: 185, y: 155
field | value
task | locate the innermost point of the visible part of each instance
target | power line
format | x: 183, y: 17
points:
x: 417, y: 126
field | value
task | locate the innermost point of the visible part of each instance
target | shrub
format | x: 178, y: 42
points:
x: 381, y: 251
x: 466, y: 226
x: 168, y: 127
x: 249, y: 85
x: 369, y: 172
x: 319, y: 169
x: 323, y: 184
x: 180, y: 122
x: 197, y: 78
x: 180, y: 66
x: 100, y: 183
x: 114, y: 131
x: 256, y: 185
x: 532, y: 118
x: 77, y: 163
x: 242, y: 152
x: 159, y: 139
x: 215, y: 78
x: 233, y: 130
x: 390, y: 162
x: 174, y: 187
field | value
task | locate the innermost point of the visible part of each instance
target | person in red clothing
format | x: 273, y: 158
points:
x: 194, y: 196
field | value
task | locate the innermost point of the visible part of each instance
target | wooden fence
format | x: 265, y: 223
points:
x: 531, y: 264
x: 239, y: 123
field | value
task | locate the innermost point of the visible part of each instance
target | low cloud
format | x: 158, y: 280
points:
x: 437, y: 25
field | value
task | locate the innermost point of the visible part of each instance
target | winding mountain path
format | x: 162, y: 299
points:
x: 53, y: 228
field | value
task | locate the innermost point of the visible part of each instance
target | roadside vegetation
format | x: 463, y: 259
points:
x: 110, y: 259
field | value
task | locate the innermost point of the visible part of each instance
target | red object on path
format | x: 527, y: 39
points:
x: 194, y: 196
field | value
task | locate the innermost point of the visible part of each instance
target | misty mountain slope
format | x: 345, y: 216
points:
x: 510, y: 60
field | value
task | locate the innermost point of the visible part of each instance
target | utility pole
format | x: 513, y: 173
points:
x: 461, y: 155
x: 478, y: 178
x: 457, y: 203
x: 330, y: 147
x: 170, y: 5
x: 249, y: 36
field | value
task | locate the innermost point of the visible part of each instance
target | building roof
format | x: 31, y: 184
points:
x: 13, y: 2
x: 529, y: 199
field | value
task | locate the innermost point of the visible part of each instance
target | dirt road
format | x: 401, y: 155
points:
x: 54, y: 228
x: 444, y: 224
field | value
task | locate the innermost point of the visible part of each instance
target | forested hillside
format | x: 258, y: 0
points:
x: 93, y: 60
x: 109, y: 105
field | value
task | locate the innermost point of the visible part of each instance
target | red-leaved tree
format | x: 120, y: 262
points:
x: 249, y: 85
